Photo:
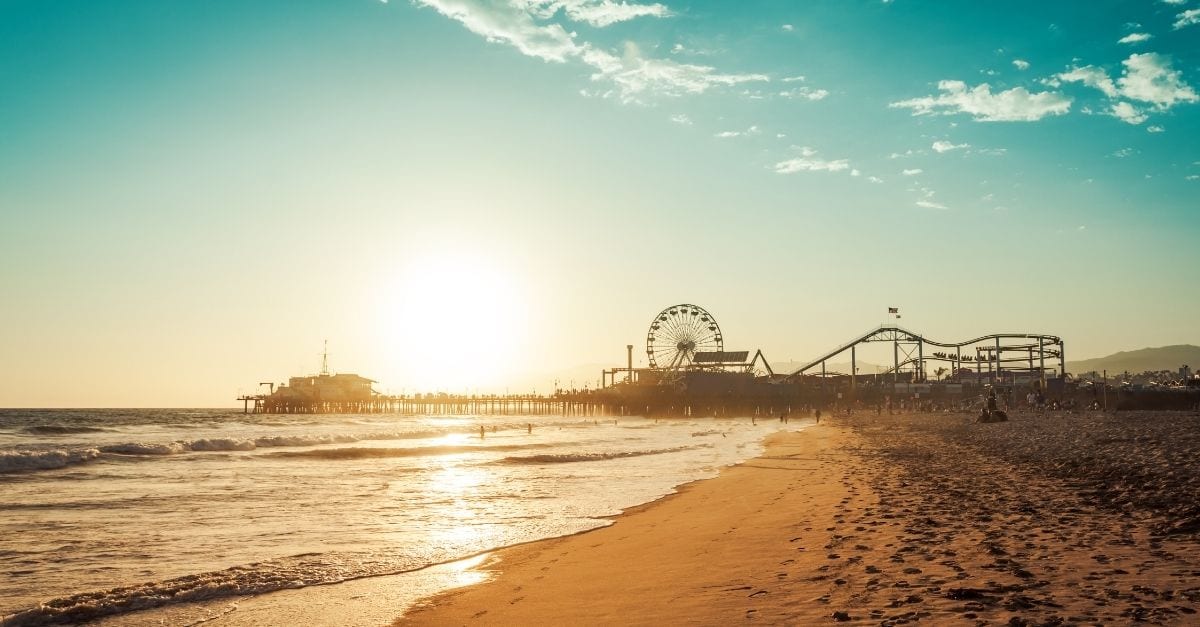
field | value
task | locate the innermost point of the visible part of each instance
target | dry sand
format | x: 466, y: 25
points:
x: 1043, y: 520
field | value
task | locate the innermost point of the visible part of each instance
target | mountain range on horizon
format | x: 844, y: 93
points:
x: 1140, y: 360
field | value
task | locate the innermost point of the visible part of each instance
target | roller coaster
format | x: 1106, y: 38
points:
x: 994, y: 355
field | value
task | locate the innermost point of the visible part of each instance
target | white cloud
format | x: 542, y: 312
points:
x: 1174, y: 2
x: 1016, y: 104
x: 636, y: 76
x: 874, y: 179
x: 929, y: 204
x: 788, y: 28
x: 1154, y: 129
x: 912, y: 172
x: 1192, y: 177
x: 1128, y: 113
x: 512, y: 25
x: 804, y: 93
x: 809, y: 162
x: 791, y: 79
x: 1122, y: 153
x: 1135, y: 38
x: 681, y: 118
x: 1187, y: 18
x: 753, y: 130
x: 1149, y: 78
x: 1092, y: 77
x: 519, y: 23
x: 594, y: 12
x: 941, y: 146
x: 855, y: 172
x: 1021, y: 64
x: 1081, y: 228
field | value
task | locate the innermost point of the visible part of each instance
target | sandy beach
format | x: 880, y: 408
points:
x: 1043, y: 520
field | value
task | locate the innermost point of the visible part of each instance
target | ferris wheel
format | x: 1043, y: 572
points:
x: 678, y: 333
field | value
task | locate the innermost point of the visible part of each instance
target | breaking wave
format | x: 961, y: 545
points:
x: 15, y: 461
x: 295, y: 572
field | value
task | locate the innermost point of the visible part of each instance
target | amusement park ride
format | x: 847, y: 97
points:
x: 685, y: 339
x: 685, y: 344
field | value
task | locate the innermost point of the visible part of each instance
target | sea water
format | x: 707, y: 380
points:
x: 104, y: 512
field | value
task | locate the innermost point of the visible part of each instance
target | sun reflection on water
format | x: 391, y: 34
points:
x: 460, y: 492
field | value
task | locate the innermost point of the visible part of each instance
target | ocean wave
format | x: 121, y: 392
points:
x: 60, y: 430
x: 144, y: 448
x: 260, y: 578
x: 567, y: 458
x: 371, y: 452
x: 15, y: 461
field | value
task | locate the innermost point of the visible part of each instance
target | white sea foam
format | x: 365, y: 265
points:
x: 14, y: 461
x: 281, y: 574
x: 144, y: 448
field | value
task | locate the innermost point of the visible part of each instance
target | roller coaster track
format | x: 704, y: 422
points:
x: 894, y: 333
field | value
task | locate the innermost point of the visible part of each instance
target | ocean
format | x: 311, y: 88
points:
x: 105, y: 512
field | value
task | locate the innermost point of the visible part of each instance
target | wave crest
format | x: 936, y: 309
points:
x: 15, y: 461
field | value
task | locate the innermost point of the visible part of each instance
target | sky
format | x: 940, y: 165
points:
x: 476, y: 196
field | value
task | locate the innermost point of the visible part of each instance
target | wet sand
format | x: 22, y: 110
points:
x: 1043, y: 520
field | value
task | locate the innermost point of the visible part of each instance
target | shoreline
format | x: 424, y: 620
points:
x: 866, y: 519
x: 883, y: 520
x: 372, y: 599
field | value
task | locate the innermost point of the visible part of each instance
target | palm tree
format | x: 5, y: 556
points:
x: 939, y: 371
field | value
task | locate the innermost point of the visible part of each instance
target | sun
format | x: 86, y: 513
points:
x: 455, y: 321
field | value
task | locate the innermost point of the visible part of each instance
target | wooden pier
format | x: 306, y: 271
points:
x: 570, y: 404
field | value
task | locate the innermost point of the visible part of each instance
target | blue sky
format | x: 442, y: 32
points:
x: 194, y: 194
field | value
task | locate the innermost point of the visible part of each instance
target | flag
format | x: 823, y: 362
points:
x: 894, y: 310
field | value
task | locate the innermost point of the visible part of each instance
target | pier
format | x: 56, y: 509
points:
x: 562, y: 404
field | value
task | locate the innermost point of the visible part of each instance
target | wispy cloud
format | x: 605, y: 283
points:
x: 808, y: 161
x: 941, y: 146
x: 804, y: 93
x: 912, y: 172
x: 1187, y: 18
x: 787, y: 28
x: 1135, y: 38
x: 1021, y: 64
x: 681, y: 118
x: 636, y: 76
x: 1147, y: 78
x: 1092, y: 77
x: 594, y: 12
x: 505, y: 23
x: 1154, y: 128
x: 633, y: 77
x: 1016, y: 104
x: 929, y: 204
x: 753, y: 130
x: 874, y: 179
